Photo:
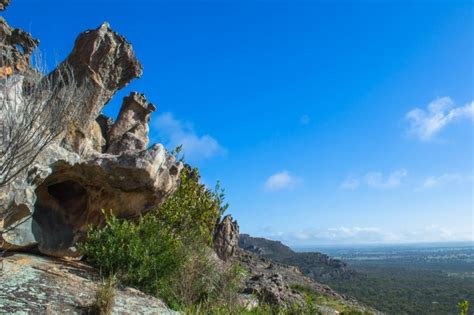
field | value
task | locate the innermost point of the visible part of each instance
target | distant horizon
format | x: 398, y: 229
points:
x: 300, y: 246
x: 368, y: 245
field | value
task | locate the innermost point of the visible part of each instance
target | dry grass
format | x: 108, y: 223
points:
x: 104, y: 298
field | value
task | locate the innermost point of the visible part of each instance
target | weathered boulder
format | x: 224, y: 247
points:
x: 272, y: 289
x: 41, y: 285
x: 280, y: 284
x: 96, y: 164
x: 4, y: 4
x: 226, y: 237
x: 102, y: 62
x: 16, y: 47
x: 130, y: 131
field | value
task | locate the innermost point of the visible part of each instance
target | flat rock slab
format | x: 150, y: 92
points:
x: 32, y: 284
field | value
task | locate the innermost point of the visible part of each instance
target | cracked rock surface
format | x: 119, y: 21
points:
x: 40, y: 285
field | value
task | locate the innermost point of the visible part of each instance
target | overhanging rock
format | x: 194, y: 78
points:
x: 97, y: 164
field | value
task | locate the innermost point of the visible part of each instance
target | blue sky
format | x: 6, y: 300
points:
x: 327, y: 122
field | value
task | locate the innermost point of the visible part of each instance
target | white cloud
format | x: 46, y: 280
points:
x: 280, y: 181
x: 444, y: 179
x: 376, y: 180
x: 350, y: 183
x: 175, y: 132
x: 426, y: 123
x: 370, y: 235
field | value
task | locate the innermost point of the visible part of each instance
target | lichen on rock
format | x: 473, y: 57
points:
x: 41, y: 285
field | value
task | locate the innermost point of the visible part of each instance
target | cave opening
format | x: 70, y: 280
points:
x: 60, y: 210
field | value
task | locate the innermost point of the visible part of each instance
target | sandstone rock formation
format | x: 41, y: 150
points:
x: 96, y: 163
x: 4, y: 4
x: 226, y: 238
x: 102, y: 62
x: 40, y: 285
x: 16, y: 47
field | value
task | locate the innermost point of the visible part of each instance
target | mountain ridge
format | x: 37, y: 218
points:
x: 315, y: 265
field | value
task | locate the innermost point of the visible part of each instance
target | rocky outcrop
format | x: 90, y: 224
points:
x: 317, y: 266
x: 16, y: 47
x: 130, y: 132
x: 39, y: 285
x: 272, y: 289
x: 4, y: 4
x: 267, y: 248
x: 96, y: 163
x: 280, y: 284
x: 102, y: 62
x: 226, y: 238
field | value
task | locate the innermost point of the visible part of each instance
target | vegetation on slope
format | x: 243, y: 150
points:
x: 167, y: 253
x: 405, y: 291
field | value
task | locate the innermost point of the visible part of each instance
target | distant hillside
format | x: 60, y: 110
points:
x: 275, y: 250
x: 318, y: 266
x: 393, y: 280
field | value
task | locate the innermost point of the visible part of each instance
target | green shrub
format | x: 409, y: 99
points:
x: 191, y: 213
x: 142, y: 254
x: 166, y: 252
x: 204, y: 282
x: 313, y: 298
x: 463, y: 307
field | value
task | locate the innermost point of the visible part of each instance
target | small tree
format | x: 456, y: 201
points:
x: 463, y: 307
x: 192, y: 212
x: 34, y: 110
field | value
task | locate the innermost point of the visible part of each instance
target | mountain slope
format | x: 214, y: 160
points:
x: 318, y: 266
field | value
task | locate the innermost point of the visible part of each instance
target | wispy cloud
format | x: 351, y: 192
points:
x: 369, y: 235
x: 280, y: 181
x: 425, y: 124
x: 350, y: 183
x: 305, y: 120
x: 175, y: 132
x: 375, y: 180
x: 445, y: 179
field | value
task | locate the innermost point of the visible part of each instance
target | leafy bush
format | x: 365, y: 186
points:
x: 166, y: 252
x: 142, y: 254
x: 205, y: 281
x: 463, y: 307
x: 191, y: 213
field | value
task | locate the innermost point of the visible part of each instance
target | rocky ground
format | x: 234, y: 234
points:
x: 318, y: 266
x: 279, y: 284
x: 33, y: 284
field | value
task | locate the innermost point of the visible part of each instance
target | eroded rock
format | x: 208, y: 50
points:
x: 226, y: 237
x: 40, y: 285
x: 272, y: 289
x: 102, y: 62
x: 278, y: 284
x: 98, y: 164
x: 130, y: 131
x: 4, y: 4
x: 16, y: 47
